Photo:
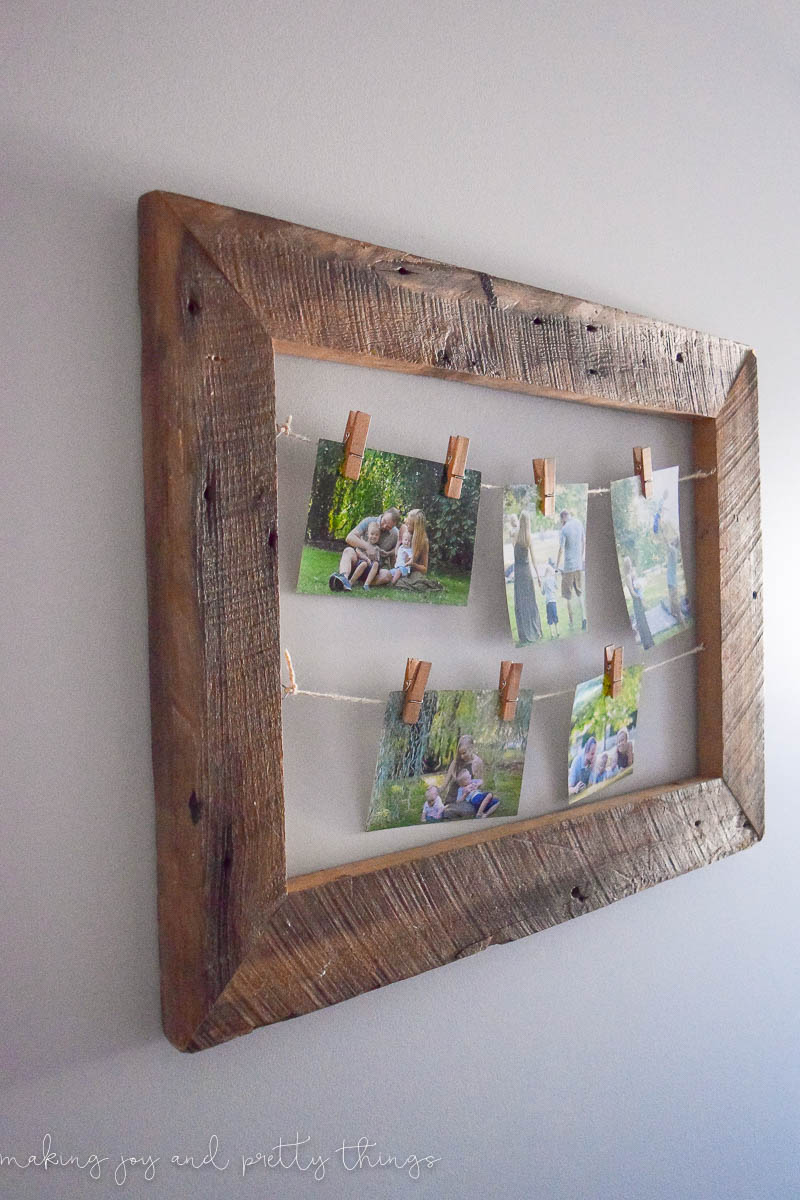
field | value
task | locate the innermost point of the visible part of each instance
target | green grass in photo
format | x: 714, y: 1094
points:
x: 399, y: 801
x: 317, y: 565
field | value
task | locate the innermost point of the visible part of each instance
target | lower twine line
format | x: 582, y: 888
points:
x: 291, y: 688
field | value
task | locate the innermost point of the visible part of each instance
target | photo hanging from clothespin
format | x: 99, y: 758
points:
x: 643, y: 467
x: 355, y: 442
x: 455, y: 465
x: 414, y: 684
x: 510, y: 675
x: 544, y: 476
x: 612, y: 671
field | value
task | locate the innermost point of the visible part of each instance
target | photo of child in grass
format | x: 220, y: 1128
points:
x: 391, y: 534
x: 458, y: 762
x: 602, y: 735
x: 544, y: 563
x: 649, y: 556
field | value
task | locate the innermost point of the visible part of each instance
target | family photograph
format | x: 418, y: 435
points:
x: 602, y: 738
x: 391, y: 534
x: 458, y: 762
x: 647, y: 534
x: 544, y: 563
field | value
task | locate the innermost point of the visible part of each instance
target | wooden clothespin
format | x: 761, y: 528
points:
x: 643, y: 467
x: 455, y: 465
x: 355, y: 441
x: 544, y: 476
x: 414, y: 685
x: 510, y: 675
x: 612, y: 670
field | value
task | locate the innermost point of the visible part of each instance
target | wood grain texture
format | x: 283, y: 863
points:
x: 241, y: 947
x: 361, y: 930
x: 730, y: 605
x: 211, y: 512
x: 332, y: 297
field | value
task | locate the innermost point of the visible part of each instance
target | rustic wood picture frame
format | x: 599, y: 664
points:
x: 221, y: 291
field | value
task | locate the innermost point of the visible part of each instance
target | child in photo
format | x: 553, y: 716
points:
x: 369, y: 560
x: 602, y: 769
x: 433, y: 807
x: 550, y: 591
x: 607, y: 767
x: 402, y: 557
x: 484, y: 803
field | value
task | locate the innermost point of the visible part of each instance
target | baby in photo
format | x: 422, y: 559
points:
x: 402, y: 557
x: 433, y: 807
x: 484, y: 803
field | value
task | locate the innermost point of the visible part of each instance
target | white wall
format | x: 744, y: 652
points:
x: 643, y: 155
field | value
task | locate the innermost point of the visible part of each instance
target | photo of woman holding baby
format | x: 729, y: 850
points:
x: 458, y: 762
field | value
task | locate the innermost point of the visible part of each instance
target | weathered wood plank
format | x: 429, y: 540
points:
x: 336, y: 298
x: 362, y: 930
x: 211, y: 513
x: 730, y: 606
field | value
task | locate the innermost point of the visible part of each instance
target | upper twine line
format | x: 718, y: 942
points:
x: 284, y: 429
x: 291, y: 688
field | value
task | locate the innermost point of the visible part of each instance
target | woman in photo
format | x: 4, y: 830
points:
x: 465, y: 759
x: 639, y: 615
x: 526, y: 609
x: 624, y: 749
x: 417, y: 579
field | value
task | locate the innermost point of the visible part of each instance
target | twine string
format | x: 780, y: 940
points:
x: 291, y: 689
x: 284, y: 429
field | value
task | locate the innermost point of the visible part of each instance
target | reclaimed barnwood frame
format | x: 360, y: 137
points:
x: 221, y: 291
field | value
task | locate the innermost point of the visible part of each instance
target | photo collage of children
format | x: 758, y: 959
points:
x: 392, y: 534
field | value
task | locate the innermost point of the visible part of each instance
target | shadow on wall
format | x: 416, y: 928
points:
x: 79, y: 921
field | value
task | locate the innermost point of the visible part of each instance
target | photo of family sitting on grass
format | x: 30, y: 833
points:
x: 458, y: 762
x: 390, y: 534
x: 602, y: 735
x: 649, y: 554
x: 544, y: 563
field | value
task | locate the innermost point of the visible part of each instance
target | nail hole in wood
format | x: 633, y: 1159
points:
x: 697, y: 824
x: 537, y: 320
x: 193, y: 306
x: 592, y: 370
x: 195, y: 808
x: 679, y: 357
x: 272, y: 539
x: 591, y: 329
x: 577, y: 894
x: 755, y: 595
x: 403, y: 271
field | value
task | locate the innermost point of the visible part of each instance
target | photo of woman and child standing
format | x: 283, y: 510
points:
x: 548, y: 554
x: 458, y: 762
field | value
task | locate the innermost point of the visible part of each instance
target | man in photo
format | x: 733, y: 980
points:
x: 358, y: 548
x: 581, y: 769
x: 572, y: 549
